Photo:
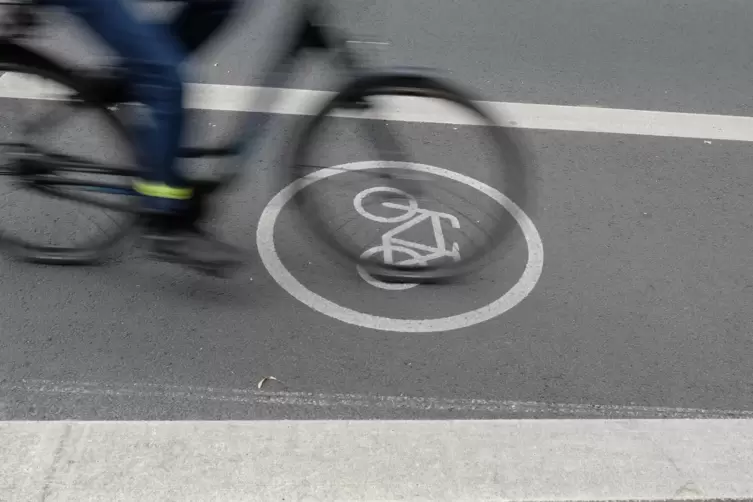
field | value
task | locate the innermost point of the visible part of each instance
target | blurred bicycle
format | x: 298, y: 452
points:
x: 39, y: 167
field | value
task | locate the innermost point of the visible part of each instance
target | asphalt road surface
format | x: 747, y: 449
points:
x: 641, y: 309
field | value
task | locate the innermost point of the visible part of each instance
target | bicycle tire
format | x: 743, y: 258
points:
x: 515, y: 160
x: 19, y: 59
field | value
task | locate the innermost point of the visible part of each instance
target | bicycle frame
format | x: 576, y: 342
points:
x: 309, y: 34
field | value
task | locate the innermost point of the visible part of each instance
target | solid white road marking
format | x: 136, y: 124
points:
x: 522, y: 460
x: 239, y: 98
x: 266, y: 247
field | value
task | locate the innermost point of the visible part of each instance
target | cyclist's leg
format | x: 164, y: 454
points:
x: 152, y: 58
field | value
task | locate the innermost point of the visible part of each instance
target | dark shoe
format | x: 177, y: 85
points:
x: 195, y: 249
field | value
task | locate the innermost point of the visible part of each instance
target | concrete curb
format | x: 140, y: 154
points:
x: 377, y: 460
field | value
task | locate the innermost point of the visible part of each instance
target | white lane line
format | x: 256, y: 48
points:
x: 251, y: 397
x: 233, y: 98
x: 522, y: 460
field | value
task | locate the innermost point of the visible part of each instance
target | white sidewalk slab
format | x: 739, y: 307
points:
x: 377, y: 460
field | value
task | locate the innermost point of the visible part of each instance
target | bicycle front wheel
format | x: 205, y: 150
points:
x: 433, y: 194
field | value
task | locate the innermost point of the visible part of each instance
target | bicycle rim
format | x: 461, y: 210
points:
x: 507, y: 177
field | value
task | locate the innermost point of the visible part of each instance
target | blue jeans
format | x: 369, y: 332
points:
x: 152, y: 55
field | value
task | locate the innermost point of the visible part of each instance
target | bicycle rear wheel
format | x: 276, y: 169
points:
x: 56, y: 149
x: 399, y: 191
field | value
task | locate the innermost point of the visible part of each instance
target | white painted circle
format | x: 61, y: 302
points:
x: 286, y: 280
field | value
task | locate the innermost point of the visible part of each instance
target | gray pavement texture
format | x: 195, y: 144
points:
x: 644, y: 300
x: 673, y: 55
x: 352, y: 461
x: 641, y: 303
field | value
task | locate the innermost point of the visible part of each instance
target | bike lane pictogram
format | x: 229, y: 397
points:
x: 391, y: 245
x: 410, y: 216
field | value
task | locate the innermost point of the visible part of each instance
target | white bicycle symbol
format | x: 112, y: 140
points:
x: 419, y: 254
